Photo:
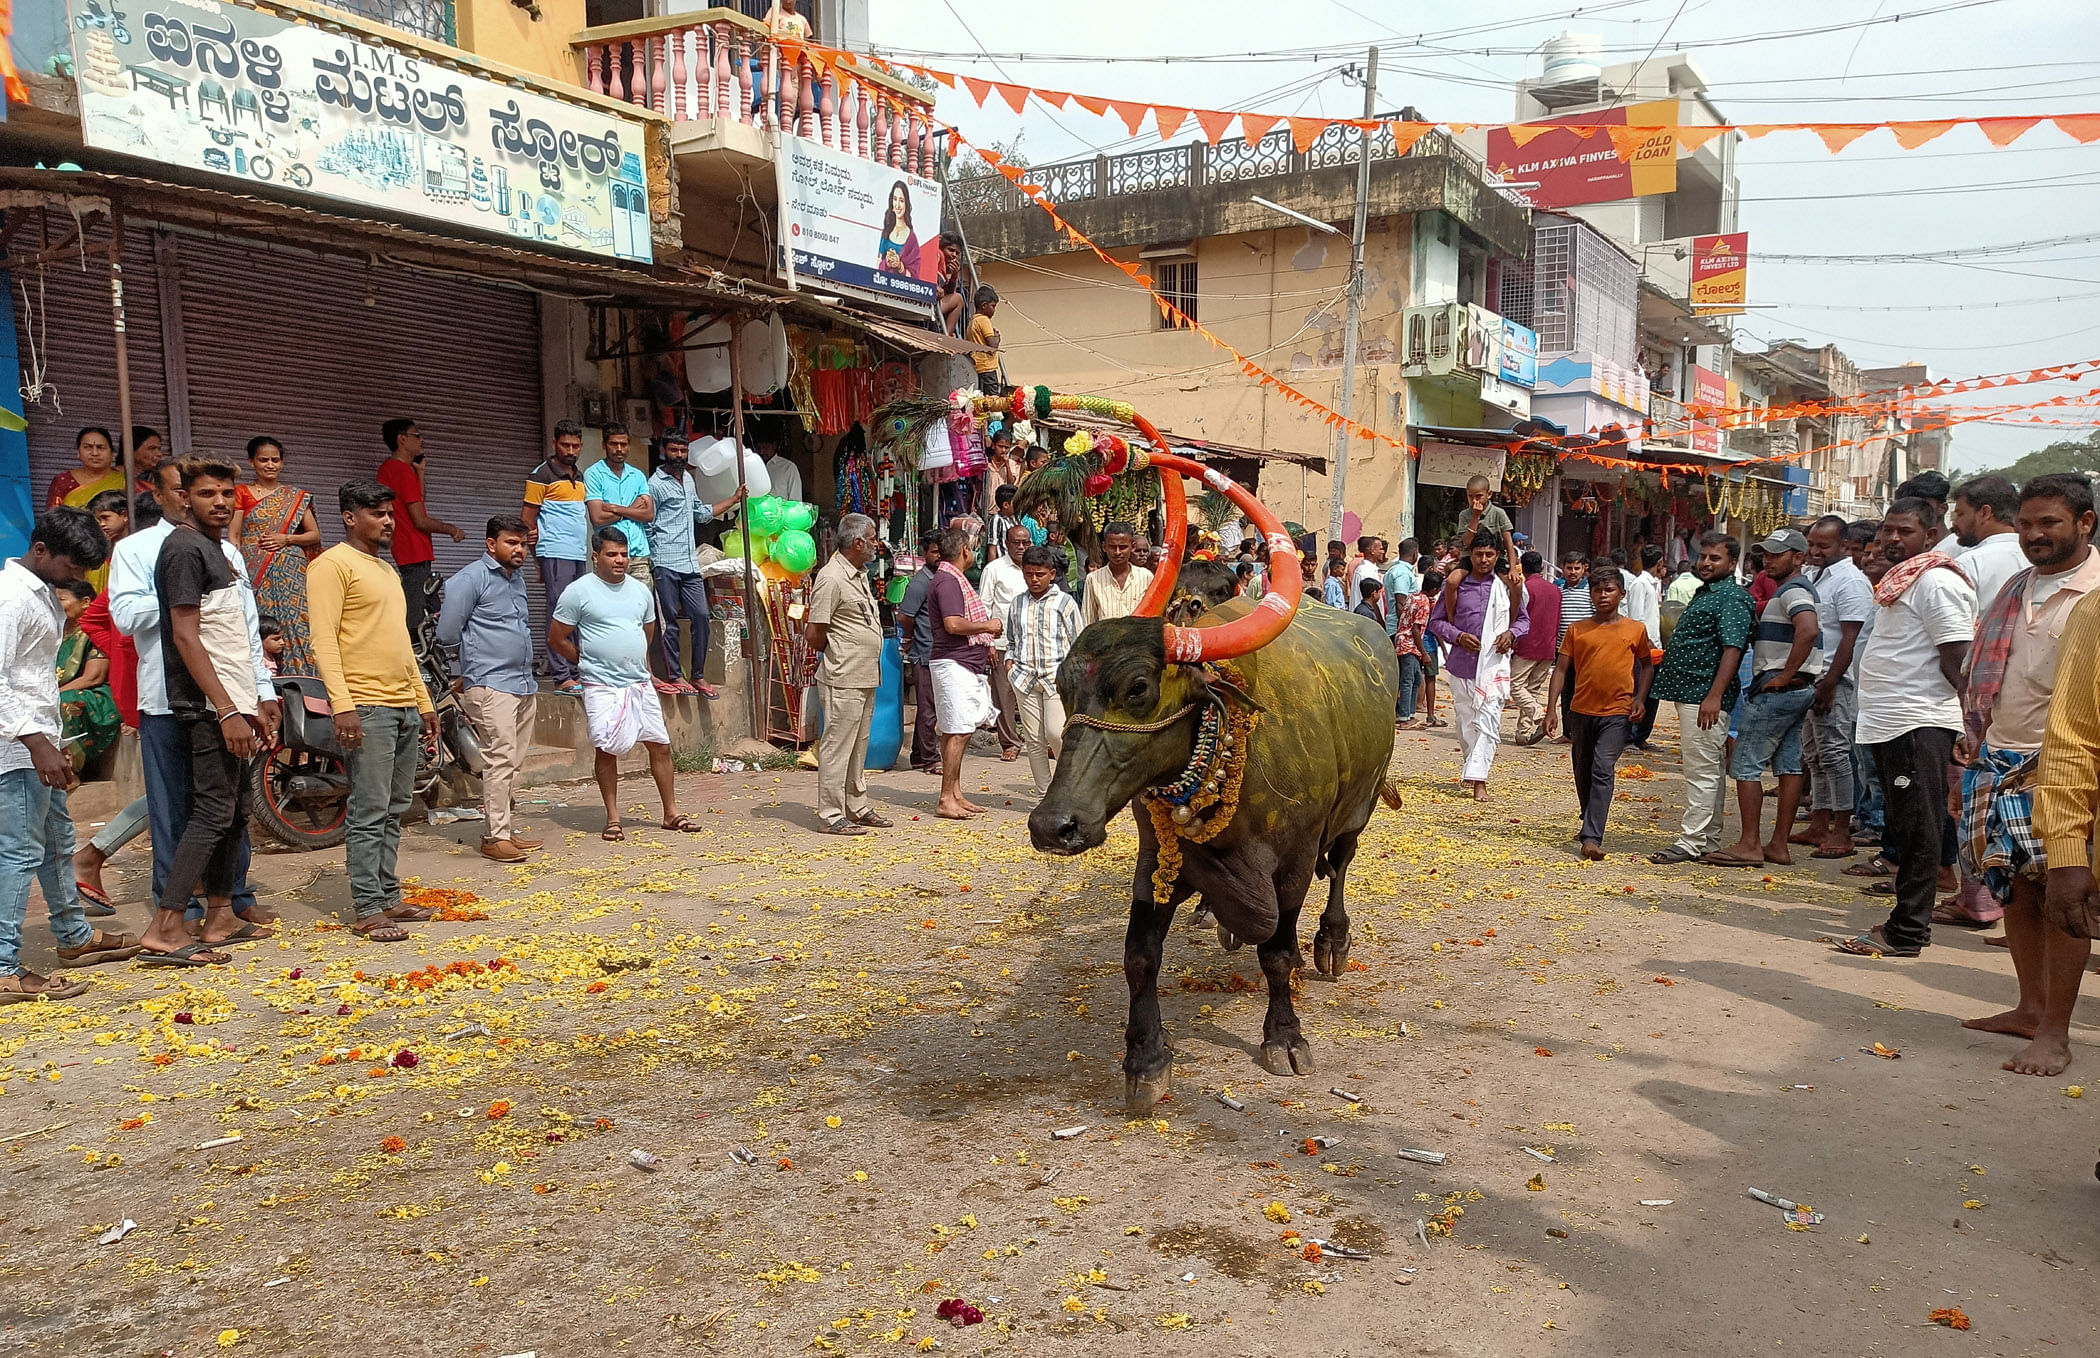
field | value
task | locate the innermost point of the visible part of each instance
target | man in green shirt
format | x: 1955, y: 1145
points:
x: 1699, y: 674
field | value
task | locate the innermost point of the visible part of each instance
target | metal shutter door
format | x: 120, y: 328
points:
x: 319, y: 352
x: 62, y: 312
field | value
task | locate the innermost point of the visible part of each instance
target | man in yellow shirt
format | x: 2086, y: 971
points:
x: 983, y: 332
x: 360, y: 642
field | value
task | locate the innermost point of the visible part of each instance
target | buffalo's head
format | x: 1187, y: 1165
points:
x: 1117, y: 673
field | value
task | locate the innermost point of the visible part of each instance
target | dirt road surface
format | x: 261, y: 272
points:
x: 434, y: 1137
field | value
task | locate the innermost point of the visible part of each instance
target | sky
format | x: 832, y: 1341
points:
x: 1995, y: 308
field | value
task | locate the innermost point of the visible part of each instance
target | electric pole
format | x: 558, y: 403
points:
x: 1345, y: 437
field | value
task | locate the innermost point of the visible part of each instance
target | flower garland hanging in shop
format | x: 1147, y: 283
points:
x: 1526, y: 474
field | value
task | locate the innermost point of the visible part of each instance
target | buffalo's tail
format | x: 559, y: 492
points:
x: 1389, y: 792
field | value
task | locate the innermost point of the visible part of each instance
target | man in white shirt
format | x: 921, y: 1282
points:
x: 784, y: 475
x: 1985, y: 509
x: 1933, y: 488
x: 1114, y: 590
x: 1844, y: 602
x: 1910, y: 682
x: 1369, y: 565
x: 998, y: 585
x: 134, y: 606
x: 1643, y: 605
x: 36, y: 827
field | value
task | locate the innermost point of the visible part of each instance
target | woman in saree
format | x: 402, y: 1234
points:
x: 89, y: 713
x: 275, y: 527
x: 96, y: 473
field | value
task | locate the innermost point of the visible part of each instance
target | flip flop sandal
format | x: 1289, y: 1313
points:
x: 247, y: 933
x: 410, y: 914
x: 380, y: 930
x: 843, y: 828
x: 1873, y: 867
x: 1835, y: 853
x: 1866, y: 945
x: 1954, y: 917
x: 188, y: 955
x: 94, y: 900
x: 1878, y: 889
x: 685, y: 825
x: 1720, y: 860
x: 613, y: 834
x: 875, y: 820
x: 1673, y: 854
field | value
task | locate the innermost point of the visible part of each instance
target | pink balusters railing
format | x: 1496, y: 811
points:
x: 707, y: 66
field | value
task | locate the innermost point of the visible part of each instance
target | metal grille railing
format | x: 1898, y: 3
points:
x: 432, y: 19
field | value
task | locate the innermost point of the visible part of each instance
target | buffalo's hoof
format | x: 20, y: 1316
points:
x: 1142, y: 1093
x: 1228, y: 940
x: 1292, y: 1058
x: 1330, y: 956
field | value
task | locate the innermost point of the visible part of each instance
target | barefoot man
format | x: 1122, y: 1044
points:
x: 2007, y: 840
x: 1480, y: 617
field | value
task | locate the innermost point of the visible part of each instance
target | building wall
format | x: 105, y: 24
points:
x: 1073, y: 323
x: 500, y: 31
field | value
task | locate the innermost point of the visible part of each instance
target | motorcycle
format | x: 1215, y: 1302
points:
x: 302, y: 785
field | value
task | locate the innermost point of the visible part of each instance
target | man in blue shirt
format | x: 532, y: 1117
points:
x: 680, y: 592
x: 616, y: 494
x: 1402, y: 580
x: 913, y: 612
x: 486, y: 617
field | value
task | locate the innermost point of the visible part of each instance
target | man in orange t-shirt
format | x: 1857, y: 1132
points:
x: 1609, y: 655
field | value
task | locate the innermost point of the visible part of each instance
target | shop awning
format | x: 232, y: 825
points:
x: 909, y: 338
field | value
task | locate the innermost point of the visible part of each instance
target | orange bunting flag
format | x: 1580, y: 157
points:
x: 2003, y: 132
x: 990, y: 157
x: 1695, y: 138
x: 1255, y: 126
x: 1405, y: 135
x: 1756, y: 130
x: 1582, y: 130
x: 945, y: 80
x: 1524, y: 134
x: 2083, y: 128
x: 1628, y: 141
x: 1214, y: 124
x: 1016, y: 96
x: 979, y: 90
x: 1097, y: 107
x: 1133, y: 115
x: 1306, y: 131
x: 1838, y: 136
x: 1169, y: 120
x: 1910, y: 136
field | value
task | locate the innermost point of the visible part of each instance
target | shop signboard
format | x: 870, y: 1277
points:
x: 1454, y: 464
x: 1720, y: 282
x: 261, y: 99
x: 1709, y: 388
x: 858, y: 226
x: 1520, y: 354
x: 1573, y: 167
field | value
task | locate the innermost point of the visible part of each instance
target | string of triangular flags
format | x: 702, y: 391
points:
x: 1627, y: 139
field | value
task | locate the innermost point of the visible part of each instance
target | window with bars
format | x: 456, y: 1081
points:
x: 1176, y: 281
x: 430, y: 19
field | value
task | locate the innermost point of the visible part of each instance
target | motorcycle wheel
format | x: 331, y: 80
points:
x: 302, y: 799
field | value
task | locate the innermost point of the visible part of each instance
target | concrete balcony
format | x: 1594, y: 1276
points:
x: 729, y: 90
x: 1193, y: 191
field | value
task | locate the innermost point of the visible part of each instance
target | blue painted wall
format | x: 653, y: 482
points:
x: 17, y: 512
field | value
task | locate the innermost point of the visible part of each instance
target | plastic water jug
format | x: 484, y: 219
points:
x: 714, y: 472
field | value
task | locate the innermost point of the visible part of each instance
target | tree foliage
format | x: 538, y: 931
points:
x: 2067, y: 455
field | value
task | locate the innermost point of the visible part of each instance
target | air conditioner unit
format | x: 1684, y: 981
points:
x: 1433, y: 339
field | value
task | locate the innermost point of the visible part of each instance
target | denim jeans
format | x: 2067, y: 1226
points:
x: 1868, y: 808
x: 164, y: 750
x: 382, y: 786
x: 36, y: 841
x: 1768, y: 733
x: 123, y: 827
x: 1410, y: 685
x: 681, y: 594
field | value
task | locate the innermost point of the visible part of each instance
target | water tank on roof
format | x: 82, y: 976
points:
x: 1571, y: 58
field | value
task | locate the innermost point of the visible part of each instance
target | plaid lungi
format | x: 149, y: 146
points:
x: 1998, y: 841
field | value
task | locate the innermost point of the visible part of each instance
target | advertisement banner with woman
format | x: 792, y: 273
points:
x: 855, y: 225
